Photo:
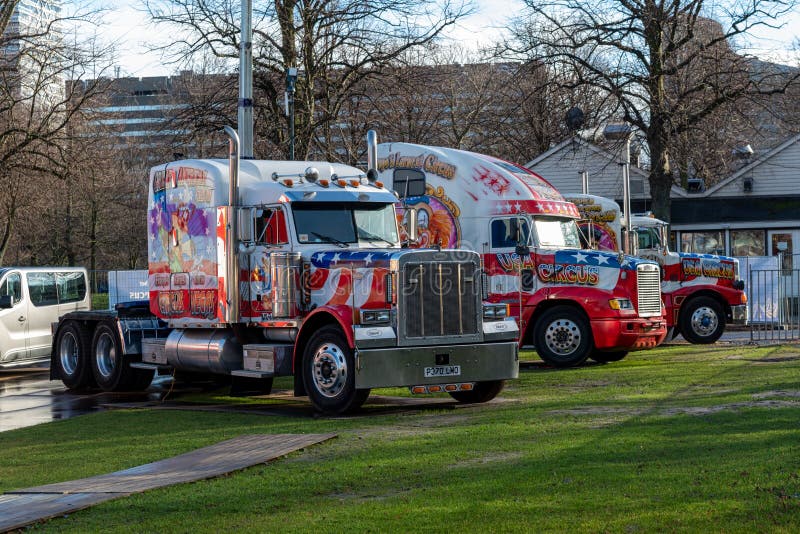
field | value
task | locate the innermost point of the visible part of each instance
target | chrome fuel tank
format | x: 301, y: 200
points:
x: 204, y: 350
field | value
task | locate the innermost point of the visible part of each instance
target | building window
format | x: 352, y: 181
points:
x: 782, y: 243
x: 748, y: 243
x: 709, y: 242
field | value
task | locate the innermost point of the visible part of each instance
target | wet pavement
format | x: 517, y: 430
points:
x: 28, y: 397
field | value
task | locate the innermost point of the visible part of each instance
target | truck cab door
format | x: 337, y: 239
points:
x: 270, y: 234
x: 13, y: 320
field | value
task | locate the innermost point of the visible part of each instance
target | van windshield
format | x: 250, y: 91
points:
x: 344, y: 223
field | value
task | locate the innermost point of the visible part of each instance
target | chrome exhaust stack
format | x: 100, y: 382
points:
x: 372, y: 155
x: 231, y: 233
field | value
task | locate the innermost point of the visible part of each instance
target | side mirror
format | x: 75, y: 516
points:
x: 6, y: 302
x: 245, y: 224
x: 521, y: 247
x: 413, y: 234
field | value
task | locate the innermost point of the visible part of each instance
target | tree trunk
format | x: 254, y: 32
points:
x: 660, y: 187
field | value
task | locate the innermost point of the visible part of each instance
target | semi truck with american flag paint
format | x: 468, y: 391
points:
x: 260, y: 269
x: 702, y: 292
x: 571, y: 304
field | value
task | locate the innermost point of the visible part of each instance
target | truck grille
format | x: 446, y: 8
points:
x: 440, y: 299
x: 648, y: 284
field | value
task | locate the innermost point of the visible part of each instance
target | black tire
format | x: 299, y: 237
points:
x: 482, y: 392
x: 112, y: 371
x: 562, y: 337
x: 72, y: 356
x: 329, y: 373
x: 605, y: 357
x: 702, y: 320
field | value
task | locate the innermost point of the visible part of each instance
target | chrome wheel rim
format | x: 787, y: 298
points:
x: 704, y: 321
x: 68, y: 353
x: 563, y: 337
x: 329, y: 370
x: 105, y: 355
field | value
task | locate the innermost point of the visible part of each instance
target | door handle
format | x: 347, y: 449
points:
x: 21, y: 319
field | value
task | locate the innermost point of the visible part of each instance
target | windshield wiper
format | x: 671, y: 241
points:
x: 369, y: 236
x: 330, y: 239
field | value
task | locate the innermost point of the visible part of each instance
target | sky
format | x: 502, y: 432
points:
x: 126, y: 25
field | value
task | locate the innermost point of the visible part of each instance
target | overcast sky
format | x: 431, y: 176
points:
x: 127, y: 26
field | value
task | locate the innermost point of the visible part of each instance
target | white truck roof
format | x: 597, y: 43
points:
x: 257, y: 186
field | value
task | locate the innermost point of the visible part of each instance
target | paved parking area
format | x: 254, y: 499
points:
x: 28, y: 397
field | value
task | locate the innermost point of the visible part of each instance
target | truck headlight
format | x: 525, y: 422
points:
x: 620, y: 304
x: 375, y: 316
x: 495, y: 312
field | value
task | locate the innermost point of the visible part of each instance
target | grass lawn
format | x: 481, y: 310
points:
x: 681, y: 438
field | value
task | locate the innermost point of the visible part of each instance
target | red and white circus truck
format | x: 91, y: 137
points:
x: 260, y: 269
x: 571, y: 304
x: 702, y: 292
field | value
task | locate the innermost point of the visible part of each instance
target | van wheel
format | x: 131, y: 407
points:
x: 562, y: 337
x: 72, y: 356
x: 111, y: 370
x: 329, y: 373
x: 482, y: 392
x: 702, y: 320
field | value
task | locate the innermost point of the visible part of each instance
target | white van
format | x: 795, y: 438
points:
x: 31, y: 299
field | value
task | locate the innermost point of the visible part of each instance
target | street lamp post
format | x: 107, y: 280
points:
x: 245, y: 109
x: 291, y: 79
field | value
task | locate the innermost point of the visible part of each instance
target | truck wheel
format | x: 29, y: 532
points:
x: 72, y: 356
x: 111, y: 371
x: 605, y: 357
x: 702, y: 320
x: 562, y: 337
x: 482, y: 392
x: 329, y: 373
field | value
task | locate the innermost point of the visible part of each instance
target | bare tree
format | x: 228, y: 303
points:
x: 335, y: 45
x: 7, y: 8
x: 660, y: 62
x: 35, y: 112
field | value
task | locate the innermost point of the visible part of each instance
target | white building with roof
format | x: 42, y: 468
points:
x: 753, y: 212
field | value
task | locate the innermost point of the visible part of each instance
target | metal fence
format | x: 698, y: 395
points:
x: 773, y: 292
x: 110, y: 287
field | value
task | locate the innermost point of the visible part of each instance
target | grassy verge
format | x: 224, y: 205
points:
x: 680, y: 438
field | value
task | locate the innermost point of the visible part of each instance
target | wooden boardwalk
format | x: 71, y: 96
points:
x: 22, y: 507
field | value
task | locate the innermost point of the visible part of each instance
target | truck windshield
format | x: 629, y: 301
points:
x: 553, y: 232
x: 343, y: 223
x: 649, y: 237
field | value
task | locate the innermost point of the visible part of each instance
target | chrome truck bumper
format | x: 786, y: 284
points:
x: 739, y: 314
x: 408, y: 366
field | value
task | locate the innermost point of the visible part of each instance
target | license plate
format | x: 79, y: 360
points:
x: 442, y: 370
